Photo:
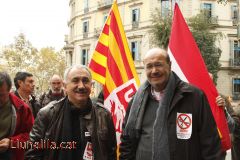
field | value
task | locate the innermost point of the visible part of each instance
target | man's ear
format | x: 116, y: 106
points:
x: 19, y: 82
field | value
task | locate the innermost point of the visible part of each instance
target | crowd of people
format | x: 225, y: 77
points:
x: 167, y: 119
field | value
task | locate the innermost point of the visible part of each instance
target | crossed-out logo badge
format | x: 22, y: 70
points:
x: 184, y: 125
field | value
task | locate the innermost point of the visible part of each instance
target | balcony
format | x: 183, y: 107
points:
x: 234, y: 21
x: 213, y: 20
x: 97, y: 32
x: 236, y: 96
x: 85, y: 35
x: 86, y: 10
x: 104, y: 4
x: 234, y: 62
x: 135, y: 24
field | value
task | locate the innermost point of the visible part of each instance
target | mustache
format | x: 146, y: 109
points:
x: 156, y: 74
x: 80, y: 90
x: 56, y: 89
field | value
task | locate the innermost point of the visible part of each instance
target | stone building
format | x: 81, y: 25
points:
x: 88, y: 17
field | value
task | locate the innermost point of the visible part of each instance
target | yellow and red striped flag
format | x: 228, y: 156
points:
x: 112, y: 65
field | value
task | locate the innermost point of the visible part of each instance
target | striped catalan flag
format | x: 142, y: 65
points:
x: 112, y: 66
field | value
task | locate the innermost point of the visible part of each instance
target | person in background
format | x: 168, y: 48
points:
x: 16, y: 121
x: 24, y: 83
x: 232, y: 121
x: 55, y: 92
x: 76, y: 120
x: 235, y: 150
x: 167, y: 118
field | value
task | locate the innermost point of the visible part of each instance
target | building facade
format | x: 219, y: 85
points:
x: 88, y: 17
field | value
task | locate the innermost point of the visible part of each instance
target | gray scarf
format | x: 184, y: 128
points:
x: 160, y: 129
x: 160, y: 134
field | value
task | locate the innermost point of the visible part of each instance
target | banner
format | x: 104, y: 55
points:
x: 112, y: 65
x: 189, y: 65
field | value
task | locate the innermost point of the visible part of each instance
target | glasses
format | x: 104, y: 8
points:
x: 157, y: 65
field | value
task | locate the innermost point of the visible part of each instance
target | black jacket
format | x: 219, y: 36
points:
x: 48, y: 125
x: 48, y: 97
x: 204, y: 143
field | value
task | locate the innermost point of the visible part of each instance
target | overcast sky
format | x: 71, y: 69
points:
x: 44, y: 22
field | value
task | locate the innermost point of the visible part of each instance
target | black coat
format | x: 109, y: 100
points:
x: 48, y: 97
x: 204, y: 143
x: 48, y: 126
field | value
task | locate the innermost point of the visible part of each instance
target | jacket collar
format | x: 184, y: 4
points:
x: 87, y: 115
x: 180, y: 90
x: 49, y: 93
x: 17, y: 102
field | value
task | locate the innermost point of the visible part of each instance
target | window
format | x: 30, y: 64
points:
x: 85, y: 5
x: 85, y: 27
x: 70, y: 58
x: 208, y: 9
x: 234, y: 11
x: 135, y: 18
x: 165, y: 8
x: 105, y: 18
x: 236, y: 85
x: 84, y: 56
x: 236, y: 53
x: 135, y: 15
x: 73, y: 8
x: 72, y: 30
x: 135, y: 51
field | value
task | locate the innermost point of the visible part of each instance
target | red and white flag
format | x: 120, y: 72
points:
x: 189, y: 65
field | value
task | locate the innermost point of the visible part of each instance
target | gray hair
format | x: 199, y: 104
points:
x: 4, y: 77
x: 78, y: 66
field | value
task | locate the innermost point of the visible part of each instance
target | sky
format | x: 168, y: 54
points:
x: 44, y: 22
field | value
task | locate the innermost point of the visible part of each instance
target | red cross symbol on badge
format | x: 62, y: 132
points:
x: 184, y: 121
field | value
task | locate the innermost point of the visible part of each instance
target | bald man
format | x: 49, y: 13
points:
x: 55, y: 93
x: 168, y: 119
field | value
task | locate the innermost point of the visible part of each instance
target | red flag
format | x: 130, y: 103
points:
x: 112, y: 65
x: 189, y: 65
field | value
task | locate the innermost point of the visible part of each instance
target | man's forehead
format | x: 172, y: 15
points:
x: 30, y: 78
x: 155, y: 54
x: 78, y: 72
x: 155, y: 58
x: 56, y: 78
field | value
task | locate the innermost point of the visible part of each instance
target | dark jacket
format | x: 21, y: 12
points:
x: 35, y: 106
x: 22, y: 122
x: 48, y: 125
x: 204, y: 143
x: 46, y: 98
x: 235, y: 150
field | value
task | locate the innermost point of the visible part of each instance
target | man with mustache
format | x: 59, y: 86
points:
x: 80, y: 129
x: 167, y: 118
x: 55, y: 92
